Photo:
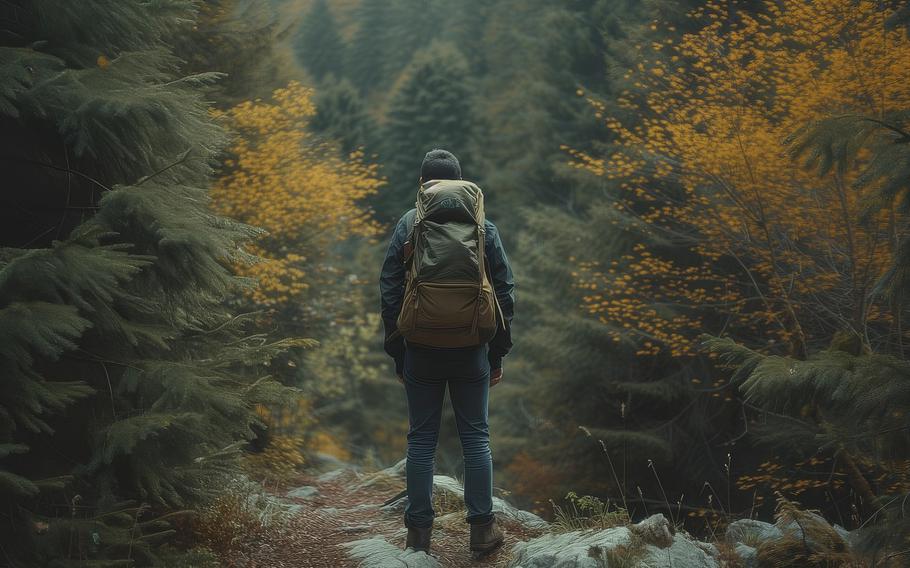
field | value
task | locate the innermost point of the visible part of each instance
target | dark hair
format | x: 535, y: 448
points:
x: 440, y: 164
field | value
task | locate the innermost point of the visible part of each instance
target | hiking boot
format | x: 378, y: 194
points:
x: 485, y: 538
x: 419, y: 538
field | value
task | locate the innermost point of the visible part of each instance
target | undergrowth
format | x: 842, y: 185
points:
x: 587, y: 512
x: 239, y: 520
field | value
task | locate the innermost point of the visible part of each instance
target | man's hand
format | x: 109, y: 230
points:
x: 400, y: 378
x: 495, y: 376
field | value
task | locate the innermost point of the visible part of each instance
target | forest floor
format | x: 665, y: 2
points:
x: 347, y: 508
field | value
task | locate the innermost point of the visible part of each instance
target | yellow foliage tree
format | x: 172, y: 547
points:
x: 295, y: 186
x: 738, y: 237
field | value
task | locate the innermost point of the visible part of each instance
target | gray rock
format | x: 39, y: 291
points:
x: 849, y: 537
x: 683, y: 552
x: 655, y: 530
x: 596, y: 549
x: 709, y: 548
x: 378, y: 553
x: 394, y: 474
x: 397, y: 470
x: 577, y: 549
x: 305, y: 492
x: 747, y: 554
x: 813, y: 520
x: 293, y: 509
x: 451, y: 489
x: 395, y: 507
x: 331, y: 475
x: 526, y: 518
x: 750, y: 532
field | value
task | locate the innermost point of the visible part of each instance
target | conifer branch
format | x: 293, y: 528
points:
x: 180, y: 160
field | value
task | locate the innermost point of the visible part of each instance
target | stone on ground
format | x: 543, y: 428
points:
x: 655, y: 530
x: 305, y: 492
x: 682, y: 552
x: 577, y: 549
x: 379, y: 553
x: 751, y: 532
x: 747, y: 554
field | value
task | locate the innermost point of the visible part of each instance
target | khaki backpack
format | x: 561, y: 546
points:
x: 448, y: 298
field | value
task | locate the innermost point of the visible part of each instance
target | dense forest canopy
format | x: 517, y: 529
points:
x: 705, y: 202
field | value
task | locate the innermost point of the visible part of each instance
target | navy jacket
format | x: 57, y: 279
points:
x: 391, y: 287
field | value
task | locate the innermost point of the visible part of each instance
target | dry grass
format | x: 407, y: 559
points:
x: 587, y: 512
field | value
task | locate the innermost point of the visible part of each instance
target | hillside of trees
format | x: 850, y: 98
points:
x: 705, y: 202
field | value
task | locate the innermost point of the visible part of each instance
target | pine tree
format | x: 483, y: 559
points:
x: 430, y: 108
x: 320, y: 46
x: 842, y: 401
x: 241, y: 39
x: 369, y: 52
x: 126, y: 376
x: 341, y: 116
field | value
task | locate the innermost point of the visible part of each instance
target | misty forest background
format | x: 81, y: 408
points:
x: 705, y: 203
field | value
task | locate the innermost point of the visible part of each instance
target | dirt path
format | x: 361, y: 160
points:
x: 347, y: 509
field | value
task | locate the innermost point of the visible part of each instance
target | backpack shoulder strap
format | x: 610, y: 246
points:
x: 408, y: 251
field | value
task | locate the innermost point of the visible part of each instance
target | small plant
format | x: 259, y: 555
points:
x: 237, y: 520
x: 587, y: 512
x: 727, y: 555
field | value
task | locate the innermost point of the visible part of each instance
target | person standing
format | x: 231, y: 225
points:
x: 447, y: 294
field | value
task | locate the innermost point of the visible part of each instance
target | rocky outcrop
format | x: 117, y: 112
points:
x: 449, y: 490
x: 363, y: 515
x: 753, y: 540
x: 650, y: 543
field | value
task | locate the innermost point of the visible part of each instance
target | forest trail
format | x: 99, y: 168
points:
x: 341, y: 507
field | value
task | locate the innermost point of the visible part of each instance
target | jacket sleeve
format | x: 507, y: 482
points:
x: 391, y: 290
x: 504, y: 285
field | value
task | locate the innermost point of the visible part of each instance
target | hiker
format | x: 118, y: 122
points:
x: 447, y: 304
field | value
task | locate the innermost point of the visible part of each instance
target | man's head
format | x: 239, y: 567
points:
x: 440, y: 164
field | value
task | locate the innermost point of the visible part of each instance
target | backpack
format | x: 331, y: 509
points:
x: 448, y: 298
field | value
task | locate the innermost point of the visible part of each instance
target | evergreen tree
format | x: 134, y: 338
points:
x: 430, y: 108
x: 126, y: 376
x: 341, y: 115
x: 369, y: 51
x: 588, y: 396
x: 530, y: 107
x: 239, y: 38
x: 320, y: 46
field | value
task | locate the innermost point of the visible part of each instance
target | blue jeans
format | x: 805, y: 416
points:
x: 427, y: 372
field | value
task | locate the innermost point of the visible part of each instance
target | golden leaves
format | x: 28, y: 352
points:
x: 767, y: 245
x: 295, y: 186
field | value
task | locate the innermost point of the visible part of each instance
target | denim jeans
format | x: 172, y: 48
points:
x: 427, y: 373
